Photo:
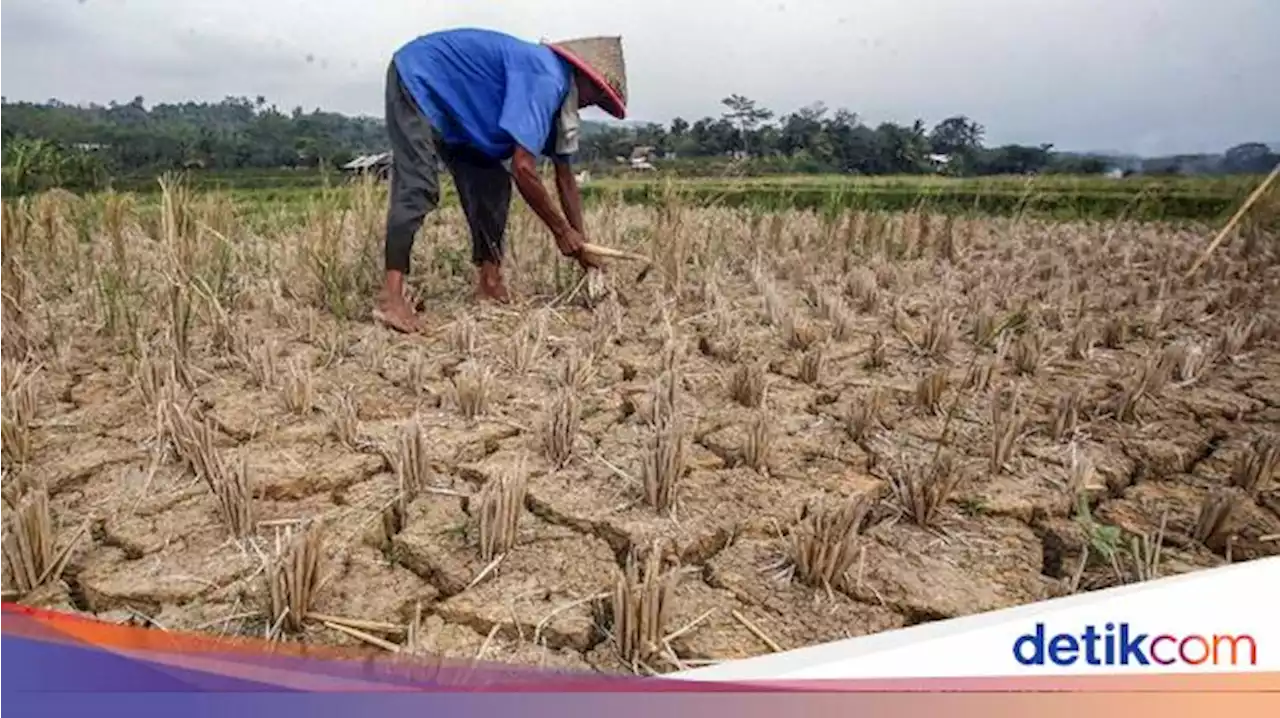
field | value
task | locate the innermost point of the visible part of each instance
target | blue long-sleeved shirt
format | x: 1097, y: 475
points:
x: 491, y: 91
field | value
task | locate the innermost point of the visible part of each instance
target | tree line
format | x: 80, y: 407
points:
x: 817, y: 139
x: 80, y: 146
x: 54, y: 143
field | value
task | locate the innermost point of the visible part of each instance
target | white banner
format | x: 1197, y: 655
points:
x: 1216, y: 620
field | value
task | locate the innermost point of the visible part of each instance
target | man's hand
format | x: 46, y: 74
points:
x: 571, y: 243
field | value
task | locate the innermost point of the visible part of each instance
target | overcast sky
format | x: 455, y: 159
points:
x: 1147, y: 76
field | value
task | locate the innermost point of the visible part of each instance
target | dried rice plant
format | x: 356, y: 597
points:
x: 298, y: 390
x: 726, y: 346
x: 1258, y: 465
x: 1006, y: 426
x: 1157, y: 320
x: 865, y: 417
x: 1189, y: 361
x: 776, y: 312
x: 1147, y: 382
x: 672, y: 355
x: 234, y: 496
x: 181, y: 318
x: 921, y: 490
x: 1145, y: 551
x: 561, y: 427
x: 498, y: 514
x: 711, y: 293
x: 260, y: 362
x: 901, y: 322
x: 759, y: 441
x: 824, y: 543
x: 606, y: 328
x: 194, y: 443
x: 16, y: 443
x: 1081, y: 346
x: 1066, y: 415
x: 376, y: 359
x: 642, y: 600
x: 578, y: 371
x: 725, y: 341
x: 664, y: 462
x: 876, y: 355
x: 939, y: 334
x: 929, y: 391
x: 981, y: 372
x: 332, y: 343
x: 1213, y: 524
x: 344, y: 420
x: 19, y: 412
x: 29, y: 554
x: 1234, y: 339
x: 800, y: 334
x: 15, y: 487
x: 472, y: 389
x: 464, y: 337
x: 843, y: 323
x: 747, y: 384
x: 1053, y: 318
x: 10, y: 374
x: 948, y: 246
x: 153, y: 379
x: 861, y: 287
x: 1026, y: 353
x: 418, y: 372
x: 829, y: 305
x: 22, y: 398
x: 1115, y: 333
x: 293, y: 577
x: 811, y: 364
x: 815, y: 297
x: 526, y: 345
x: 412, y: 461
x: 665, y: 395
x: 1081, y: 474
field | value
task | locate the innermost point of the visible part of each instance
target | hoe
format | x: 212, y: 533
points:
x: 609, y: 252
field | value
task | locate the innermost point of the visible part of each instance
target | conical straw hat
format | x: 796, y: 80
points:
x: 600, y: 59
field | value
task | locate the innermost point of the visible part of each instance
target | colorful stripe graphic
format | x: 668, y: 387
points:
x: 61, y: 663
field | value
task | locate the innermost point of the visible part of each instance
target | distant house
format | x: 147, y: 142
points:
x: 939, y: 162
x: 378, y: 165
x: 1115, y: 173
x: 641, y: 158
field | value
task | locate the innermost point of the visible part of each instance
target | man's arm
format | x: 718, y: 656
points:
x: 524, y: 169
x: 570, y: 197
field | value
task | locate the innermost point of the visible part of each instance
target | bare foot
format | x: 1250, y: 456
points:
x: 489, y: 284
x: 493, y: 292
x: 396, y: 313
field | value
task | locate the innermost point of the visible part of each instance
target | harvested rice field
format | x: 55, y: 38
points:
x: 798, y: 427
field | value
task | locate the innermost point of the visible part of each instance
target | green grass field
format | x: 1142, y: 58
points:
x: 1058, y: 196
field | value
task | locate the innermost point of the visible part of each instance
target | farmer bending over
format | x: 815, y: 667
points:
x: 474, y: 98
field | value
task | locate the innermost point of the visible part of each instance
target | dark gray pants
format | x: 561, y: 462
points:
x: 483, y: 184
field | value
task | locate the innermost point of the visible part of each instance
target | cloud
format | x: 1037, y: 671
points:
x: 1142, y: 75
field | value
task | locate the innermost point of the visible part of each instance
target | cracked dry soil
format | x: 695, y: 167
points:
x: 158, y: 554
